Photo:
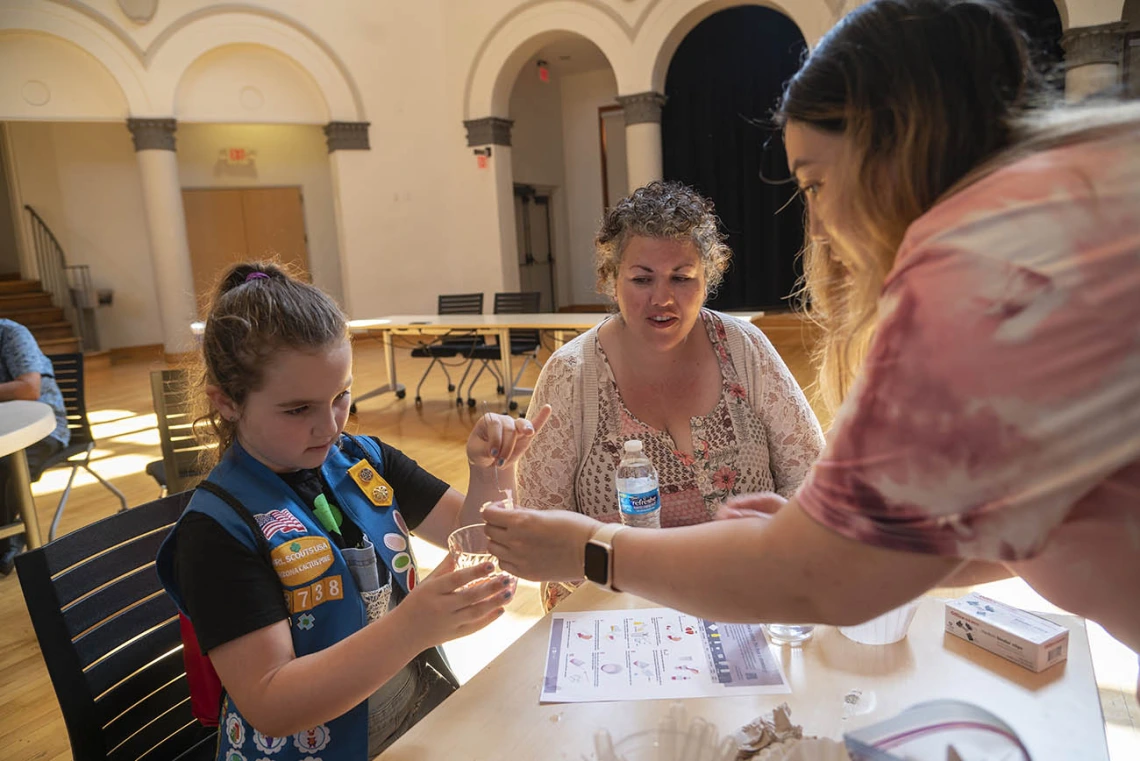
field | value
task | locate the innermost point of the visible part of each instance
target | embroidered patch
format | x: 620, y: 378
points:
x: 411, y: 579
x: 233, y: 755
x: 302, y: 560
x: 401, y: 562
x: 235, y: 730
x: 395, y: 542
x: 279, y: 522
x: 320, y: 591
x: 378, y: 491
x: 312, y: 740
x: 400, y: 522
x: 267, y: 744
x: 305, y: 621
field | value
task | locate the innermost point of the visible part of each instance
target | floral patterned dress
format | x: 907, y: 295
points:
x: 730, y: 447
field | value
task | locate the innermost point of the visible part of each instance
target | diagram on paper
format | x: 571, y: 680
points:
x: 655, y: 653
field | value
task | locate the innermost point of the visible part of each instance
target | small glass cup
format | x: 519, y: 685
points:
x: 792, y: 635
x: 468, y: 545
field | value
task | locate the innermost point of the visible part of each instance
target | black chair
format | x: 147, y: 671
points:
x: 180, y: 467
x: 454, y: 344
x: 524, y: 341
x: 69, y: 377
x: 109, y: 636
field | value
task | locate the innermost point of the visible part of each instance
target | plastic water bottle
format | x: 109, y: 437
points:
x: 638, y: 498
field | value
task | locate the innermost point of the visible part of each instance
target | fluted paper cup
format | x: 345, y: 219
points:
x: 884, y: 630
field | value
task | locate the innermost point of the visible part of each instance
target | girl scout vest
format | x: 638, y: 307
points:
x: 324, y: 603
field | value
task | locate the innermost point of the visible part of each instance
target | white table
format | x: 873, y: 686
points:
x: 21, y: 425
x: 497, y: 714
x: 559, y: 323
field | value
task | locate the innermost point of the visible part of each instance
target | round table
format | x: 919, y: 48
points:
x: 21, y: 425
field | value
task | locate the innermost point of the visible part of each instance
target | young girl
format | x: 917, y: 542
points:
x: 316, y: 625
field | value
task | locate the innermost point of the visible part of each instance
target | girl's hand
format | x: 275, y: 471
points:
x: 441, y: 609
x: 541, y: 545
x: 760, y: 505
x: 500, y: 440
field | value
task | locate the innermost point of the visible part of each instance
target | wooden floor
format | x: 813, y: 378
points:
x: 120, y: 408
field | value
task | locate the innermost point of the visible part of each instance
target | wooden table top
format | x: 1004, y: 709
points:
x: 497, y: 714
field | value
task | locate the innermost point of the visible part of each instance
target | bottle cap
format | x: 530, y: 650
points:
x: 633, y: 445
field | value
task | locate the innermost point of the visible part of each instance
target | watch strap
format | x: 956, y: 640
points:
x: 604, y: 538
x: 606, y: 532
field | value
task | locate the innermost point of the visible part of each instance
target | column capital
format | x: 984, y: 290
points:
x: 642, y: 107
x: 153, y: 134
x: 490, y: 130
x: 347, y: 136
x: 1103, y: 43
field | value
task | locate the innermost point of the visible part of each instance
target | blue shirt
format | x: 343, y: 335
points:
x: 20, y: 355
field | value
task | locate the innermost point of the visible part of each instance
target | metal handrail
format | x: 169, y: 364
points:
x: 69, y: 285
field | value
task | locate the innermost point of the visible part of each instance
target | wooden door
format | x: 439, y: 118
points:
x: 275, y: 225
x: 229, y: 225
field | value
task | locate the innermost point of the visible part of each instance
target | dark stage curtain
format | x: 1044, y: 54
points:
x: 728, y: 73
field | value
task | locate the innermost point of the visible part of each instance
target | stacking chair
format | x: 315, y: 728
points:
x: 180, y: 467
x: 68, y: 370
x: 524, y: 342
x: 454, y: 344
x: 109, y: 636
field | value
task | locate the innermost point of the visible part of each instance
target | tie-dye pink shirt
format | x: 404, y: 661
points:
x: 997, y: 416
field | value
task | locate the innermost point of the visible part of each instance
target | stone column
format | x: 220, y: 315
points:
x: 343, y: 137
x: 166, y: 224
x: 1093, y: 56
x: 493, y: 133
x: 642, y: 137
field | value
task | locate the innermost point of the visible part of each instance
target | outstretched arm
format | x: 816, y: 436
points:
x: 788, y: 568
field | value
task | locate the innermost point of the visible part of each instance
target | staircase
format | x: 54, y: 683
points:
x: 26, y: 302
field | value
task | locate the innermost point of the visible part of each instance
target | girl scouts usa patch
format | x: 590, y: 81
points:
x: 301, y: 560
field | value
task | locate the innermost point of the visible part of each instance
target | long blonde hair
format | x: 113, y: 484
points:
x: 929, y: 96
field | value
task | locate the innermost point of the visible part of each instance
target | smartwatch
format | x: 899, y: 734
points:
x: 600, y: 556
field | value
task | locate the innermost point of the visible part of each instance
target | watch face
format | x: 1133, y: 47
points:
x: 597, y: 564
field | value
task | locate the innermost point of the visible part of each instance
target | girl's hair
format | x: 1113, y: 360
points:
x: 928, y: 95
x: 661, y: 210
x: 258, y: 309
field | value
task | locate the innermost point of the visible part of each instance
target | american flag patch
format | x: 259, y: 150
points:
x: 278, y: 522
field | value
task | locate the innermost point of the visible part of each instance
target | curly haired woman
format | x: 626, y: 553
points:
x: 716, y: 408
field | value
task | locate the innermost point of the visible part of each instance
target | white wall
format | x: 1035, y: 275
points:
x: 271, y: 89
x: 582, y: 95
x: 44, y: 78
x: 414, y: 215
x: 286, y: 155
x: 82, y: 178
x: 537, y: 158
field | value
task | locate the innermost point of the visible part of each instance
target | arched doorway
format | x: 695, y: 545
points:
x: 721, y: 86
x: 561, y: 103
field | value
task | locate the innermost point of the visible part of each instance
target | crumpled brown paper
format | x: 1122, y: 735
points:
x: 765, y: 731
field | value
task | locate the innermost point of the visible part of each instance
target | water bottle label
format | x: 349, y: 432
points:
x: 639, y: 504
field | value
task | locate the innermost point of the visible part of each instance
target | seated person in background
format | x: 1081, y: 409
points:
x: 26, y: 373
x: 716, y: 408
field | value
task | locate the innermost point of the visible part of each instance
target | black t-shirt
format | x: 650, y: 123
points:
x: 236, y: 591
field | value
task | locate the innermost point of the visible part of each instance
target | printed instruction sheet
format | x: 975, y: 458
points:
x: 655, y: 653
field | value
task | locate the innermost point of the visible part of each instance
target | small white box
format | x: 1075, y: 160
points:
x: 1024, y: 638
